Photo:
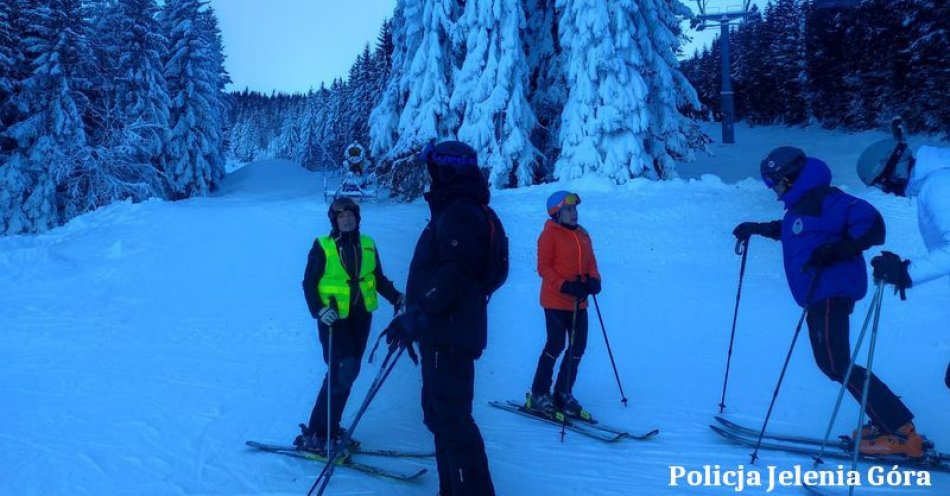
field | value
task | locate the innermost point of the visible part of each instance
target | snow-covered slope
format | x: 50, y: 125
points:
x: 141, y: 345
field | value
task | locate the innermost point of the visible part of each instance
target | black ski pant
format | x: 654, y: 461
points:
x: 349, y: 344
x: 946, y: 378
x: 558, y: 324
x: 828, y: 328
x: 448, y: 389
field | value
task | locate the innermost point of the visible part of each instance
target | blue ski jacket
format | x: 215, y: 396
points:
x: 818, y: 214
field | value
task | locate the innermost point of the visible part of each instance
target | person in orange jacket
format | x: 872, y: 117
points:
x: 569, y: 274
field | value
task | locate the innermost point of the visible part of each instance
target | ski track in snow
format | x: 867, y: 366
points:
x: 143, y: 344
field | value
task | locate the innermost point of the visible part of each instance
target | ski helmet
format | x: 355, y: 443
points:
x: 354, y: 153
x: 340, y: 205
x: 559, y: 199
x: 886, y: 164
x: 449, y: 160
x: 784, y: 162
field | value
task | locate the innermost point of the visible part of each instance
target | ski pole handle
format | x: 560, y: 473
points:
x: 741, y: 245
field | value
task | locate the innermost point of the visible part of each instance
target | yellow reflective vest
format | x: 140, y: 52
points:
x: 336, y: 282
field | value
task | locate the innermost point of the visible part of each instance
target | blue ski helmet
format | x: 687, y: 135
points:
x: 560, y: 198
x: 784, y: 162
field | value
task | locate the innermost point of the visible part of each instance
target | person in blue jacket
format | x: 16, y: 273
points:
x: 824, y: 234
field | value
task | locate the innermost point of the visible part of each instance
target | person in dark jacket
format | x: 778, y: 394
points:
x: 341, y: 282
x: 824, y: 234
x: 447, y: 313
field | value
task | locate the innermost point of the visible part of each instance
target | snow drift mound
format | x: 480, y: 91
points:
x: 272, y: 178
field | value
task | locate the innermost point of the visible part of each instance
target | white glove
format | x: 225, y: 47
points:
x: 328, y: 316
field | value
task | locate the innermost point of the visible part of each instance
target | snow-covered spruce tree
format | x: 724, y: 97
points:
x: 127, y: 117
x: 141, y: 91
x: 382, y: 62
x: 211, y: 33
x: 10, y: 59
x: 609, y: 122
x: 51, y: 142
x: 547, y: 88
x: 415, y: 108
x: 426, y: 114
x: 490, y: 90
x: 760, y: 97
x: 406, y: 34
x: 927, y: 106
x: 787, y: 55
x: 16, y: 175
x: 313, y: 124
x: 193, y: 75
x: 670, y: 136
x: 335, y: 137
x: 287, y: 142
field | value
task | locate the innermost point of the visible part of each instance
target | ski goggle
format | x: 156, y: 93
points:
x: 458, y: 164
x: 771, y: 180
x: 570, y: 199
x: 355, y: 152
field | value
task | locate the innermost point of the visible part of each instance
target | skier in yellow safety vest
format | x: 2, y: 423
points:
x: 340, y: 284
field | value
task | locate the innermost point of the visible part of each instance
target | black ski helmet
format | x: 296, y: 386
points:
x: 343, y: 204
x: 449, y: 160
x: 784, y: 162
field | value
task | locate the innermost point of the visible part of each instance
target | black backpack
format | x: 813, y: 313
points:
x: 496, y: 273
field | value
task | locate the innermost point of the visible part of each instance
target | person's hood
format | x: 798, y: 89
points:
x: 930, y: 159
x: 443, y: 193
x: 815, y: 174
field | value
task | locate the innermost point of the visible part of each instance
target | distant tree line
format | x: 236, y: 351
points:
x: 850, y: 65
x: 312, y: 129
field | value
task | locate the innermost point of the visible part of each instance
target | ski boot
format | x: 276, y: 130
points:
x: 905, y: 441
x: 339, y: 433
x: 539, y: 402
x: 317, y: 444
x: 568, y: 405
x: 868, y: 431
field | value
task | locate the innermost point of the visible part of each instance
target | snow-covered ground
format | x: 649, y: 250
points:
x: 141, y: 345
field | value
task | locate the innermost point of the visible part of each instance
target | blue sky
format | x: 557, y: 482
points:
x: 292, y: 45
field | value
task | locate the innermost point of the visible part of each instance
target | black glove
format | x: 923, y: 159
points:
x: 593, y: 285
x: 745, y: 230
x: 406, y: 327
x: 400, y: 303
x: 889, y: 267
x: 577, y: 289
x: 832, y: 253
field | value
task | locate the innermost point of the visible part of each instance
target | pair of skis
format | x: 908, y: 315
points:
x: 585, y: 426
x: 836, y: 448
x: 348, y: 462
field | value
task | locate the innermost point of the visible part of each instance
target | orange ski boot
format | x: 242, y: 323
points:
x: 905, y: 441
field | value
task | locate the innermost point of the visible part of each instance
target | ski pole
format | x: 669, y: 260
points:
x: 623, y: 397
x: 867, y: 383
x: 875, y: 302
x: 330, y: 364
x: 570, y: 360
x: 385, y: 368
x: 742, y: 248
x: 788, y: 357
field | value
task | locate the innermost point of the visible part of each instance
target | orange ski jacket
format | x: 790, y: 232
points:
x: 564, y: 255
